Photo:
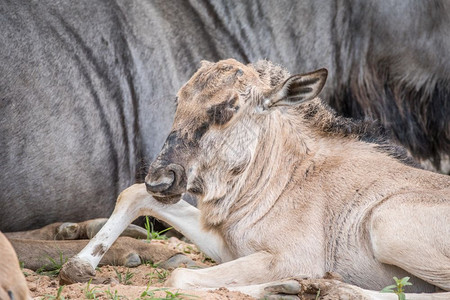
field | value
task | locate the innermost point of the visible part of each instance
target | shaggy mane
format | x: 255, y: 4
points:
x: 321, y: 116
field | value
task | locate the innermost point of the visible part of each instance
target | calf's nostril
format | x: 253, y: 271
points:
x: 165, y: 180
x: 160, y: 183
x: 176, y: 169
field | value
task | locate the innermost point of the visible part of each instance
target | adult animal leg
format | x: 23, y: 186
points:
x: 126, y: 251
x: 73, y: 231
x: 132, y: 203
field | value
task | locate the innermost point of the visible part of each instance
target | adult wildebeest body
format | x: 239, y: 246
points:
x: 286, y: 188
x: 86, y: 86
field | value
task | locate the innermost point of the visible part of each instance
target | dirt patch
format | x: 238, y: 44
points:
x: 115, y: 282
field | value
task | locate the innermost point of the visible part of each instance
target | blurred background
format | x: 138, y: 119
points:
x: 88, y: 87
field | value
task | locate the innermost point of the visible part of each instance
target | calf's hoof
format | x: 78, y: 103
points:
x: 286, y: 287
x: 76, y: 270
x: 331, y: 289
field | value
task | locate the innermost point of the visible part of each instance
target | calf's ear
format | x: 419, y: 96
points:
x: 297, y: 89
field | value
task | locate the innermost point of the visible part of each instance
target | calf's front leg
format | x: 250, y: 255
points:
x: 132, y: 203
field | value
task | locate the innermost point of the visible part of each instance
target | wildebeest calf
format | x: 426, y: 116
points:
x: 286, y: 188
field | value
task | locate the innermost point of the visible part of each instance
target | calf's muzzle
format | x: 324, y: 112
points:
x: 166, y: 181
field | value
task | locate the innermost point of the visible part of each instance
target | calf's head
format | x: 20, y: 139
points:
x: 222, y: 114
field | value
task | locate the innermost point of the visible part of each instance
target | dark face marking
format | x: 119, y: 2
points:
x: 172, y: 139
x: 175, y: 145
x: 166, y: 178
x: 221, y: 113
x: 200, y: 131
x: 11, y: 295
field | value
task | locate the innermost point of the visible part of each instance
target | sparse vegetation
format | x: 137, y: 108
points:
x: 398, y: 287
x: 318, y: 294
x: 150, y: 295
x: 189, y: 249
x: 152, y: 234
x: 114, y: 296
x: 177, y: 295
x: 89, y: 292
x: 22, y: 266
x: 58, y: 296
x: 151, y: 264
x: 54, y: 267
x: 160, y: 275
x: 147, y: 294
x: 207, y: 259
x: 124, y: 279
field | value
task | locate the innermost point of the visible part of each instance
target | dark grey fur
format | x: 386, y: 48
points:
x: 87, y: 87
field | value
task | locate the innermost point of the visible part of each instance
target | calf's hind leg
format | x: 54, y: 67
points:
x: 327, y: 289
x: 252, y: 269
x: 414, y: 236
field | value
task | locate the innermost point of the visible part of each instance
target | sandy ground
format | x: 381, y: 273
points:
x: 143, y: 282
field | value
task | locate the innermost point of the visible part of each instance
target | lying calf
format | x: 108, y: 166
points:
x: 286, y: 188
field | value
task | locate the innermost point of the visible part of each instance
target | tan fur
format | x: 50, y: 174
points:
x: 311, y: 192
x: 12, y: 281
x: 286, y: 189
